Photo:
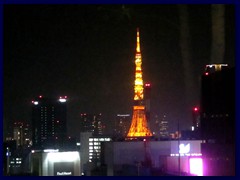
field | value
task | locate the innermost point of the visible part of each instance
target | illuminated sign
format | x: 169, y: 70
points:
x: 189, y: 154
x: 50, y: 150
x: 63, y: 168
x: 184, y: 149
x: 64, y: 173
x: 189, y: 148
x: 123, y: 115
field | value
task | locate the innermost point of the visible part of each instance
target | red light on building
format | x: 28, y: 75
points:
x: 147, y: 85
x: 195, y: 109
x: 206, y: 73
x: 40, y: 96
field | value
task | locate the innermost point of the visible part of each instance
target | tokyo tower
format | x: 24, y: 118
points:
x: 139, y: 126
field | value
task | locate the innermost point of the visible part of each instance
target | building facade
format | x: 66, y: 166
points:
x: 122, y: 124
x: 217, y: 120
x: 92, y: 123
x: 169, y: 157
x: 49, y: 122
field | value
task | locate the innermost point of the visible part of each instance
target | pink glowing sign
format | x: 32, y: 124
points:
x: 196, y: 166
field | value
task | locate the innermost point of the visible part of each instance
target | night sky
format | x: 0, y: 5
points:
x: 87, y: 53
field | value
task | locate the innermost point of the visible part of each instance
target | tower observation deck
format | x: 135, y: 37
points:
x: 139, y: 126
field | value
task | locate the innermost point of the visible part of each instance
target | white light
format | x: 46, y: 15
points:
x: 192, y: 128
x: 184, y: 149
x: 62, y: 100
x: 50, y: 150
x: 192, y: 154
x: 63, y: 156
x: 123, y: 115
x: 35, y: 102
x: 196, y: 166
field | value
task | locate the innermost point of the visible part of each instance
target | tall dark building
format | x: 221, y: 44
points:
x: 147, y: 99
x: 21, y: 133
x: 49, y: 122
x: 217, y: 122
x: 218, y: 105
x: 121, y: 125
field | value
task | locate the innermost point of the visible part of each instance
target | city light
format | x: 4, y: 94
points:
x: 35, y: 102
x: 62, y: 99
x: 63, y: 156
x: 50, y: 150
x: 195, y: 109
x: 196, y: 166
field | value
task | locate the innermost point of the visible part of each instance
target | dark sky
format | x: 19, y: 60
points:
x: 87, y: 53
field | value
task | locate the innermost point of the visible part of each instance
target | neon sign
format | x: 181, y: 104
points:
x: 184, y: 149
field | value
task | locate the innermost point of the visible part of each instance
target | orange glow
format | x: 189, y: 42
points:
x: 139, y: 126
x: 138, y: 107
x: 138, y: 84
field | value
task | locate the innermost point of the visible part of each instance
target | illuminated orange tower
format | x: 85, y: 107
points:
x: 139, y: 126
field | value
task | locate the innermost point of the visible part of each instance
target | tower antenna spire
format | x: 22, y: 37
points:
x: 139, y: 126
x: 138, y: 42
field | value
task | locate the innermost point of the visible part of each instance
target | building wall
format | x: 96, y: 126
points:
x: 84, y: 148
x: 163, y: 154
x: 49, y: 118
x: 56, y: 163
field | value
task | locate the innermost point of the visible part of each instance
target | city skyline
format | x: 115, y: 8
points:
x: 86, y: 52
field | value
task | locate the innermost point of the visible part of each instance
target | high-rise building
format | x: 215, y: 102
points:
x: 163, y: 128
x: 122, y: 124
x: 49, y: 122
x: 21, y: 133
x: 91, y: 123
x: 18, y: 133
x: 218, y: 104
x: 147, y: 99
x: 217, y: 120
x: 139, y: 126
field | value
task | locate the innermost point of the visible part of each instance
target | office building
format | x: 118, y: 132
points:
x: 92, y: 123
x: 217, y: 120
x: 49, y: 122
x: 121, y: 125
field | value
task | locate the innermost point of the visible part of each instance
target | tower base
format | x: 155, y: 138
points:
x: 139, y: 127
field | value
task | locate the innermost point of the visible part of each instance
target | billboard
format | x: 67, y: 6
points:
x: 63, y: 168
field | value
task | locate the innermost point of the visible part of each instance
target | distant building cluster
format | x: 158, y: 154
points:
x: 42, y: 146
x: 92, y: 123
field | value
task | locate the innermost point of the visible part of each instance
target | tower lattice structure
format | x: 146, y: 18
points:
x: 139, y: 126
